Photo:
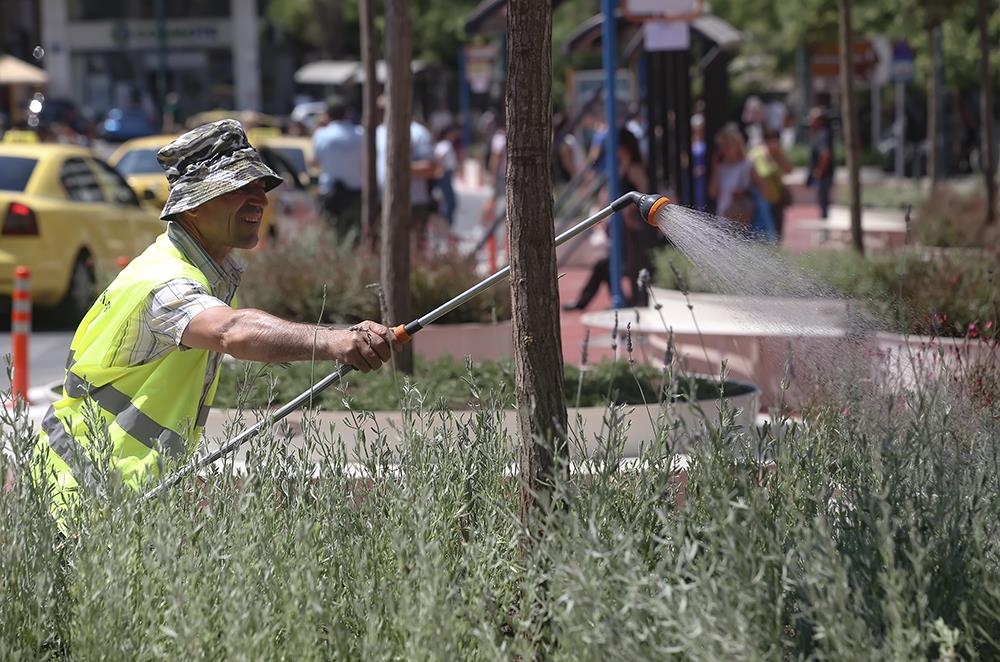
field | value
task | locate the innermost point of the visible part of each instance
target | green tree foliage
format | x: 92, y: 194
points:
x: 777, y: 29
x: 331, y: 26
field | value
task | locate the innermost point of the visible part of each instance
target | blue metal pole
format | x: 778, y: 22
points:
x: 463, y: 100
x: 611, y: 146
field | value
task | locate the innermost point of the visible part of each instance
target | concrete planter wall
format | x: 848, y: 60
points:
x: 587, y: 423
x: 757, y: 346
x: 908, y: 361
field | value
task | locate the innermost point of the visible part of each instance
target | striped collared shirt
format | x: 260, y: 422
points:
x: 172, y: 306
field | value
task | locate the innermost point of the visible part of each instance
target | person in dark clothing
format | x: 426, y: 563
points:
x: 640, y: 238
x: 820, y: 159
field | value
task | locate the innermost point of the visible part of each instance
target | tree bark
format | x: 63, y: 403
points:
x: 933, y: 102
x: 395, y: 268
x: 849, y: 119
x: 538, y: 367
x: 988, y: 159
x: 369, y: 119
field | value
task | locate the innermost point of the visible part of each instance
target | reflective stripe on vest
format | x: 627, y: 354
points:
x: 66, y: 447
x: 130, y: 418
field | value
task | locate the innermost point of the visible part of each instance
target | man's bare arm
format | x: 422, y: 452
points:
x: 254, y: 335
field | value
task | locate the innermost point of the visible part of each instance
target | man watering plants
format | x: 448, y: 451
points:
x: 147, y: 353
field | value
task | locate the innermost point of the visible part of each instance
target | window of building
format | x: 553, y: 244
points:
x: 110, y: 10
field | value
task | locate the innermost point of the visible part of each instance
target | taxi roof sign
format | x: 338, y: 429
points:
x: 20, y: 136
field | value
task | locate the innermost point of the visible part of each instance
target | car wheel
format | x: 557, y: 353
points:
x: 81, y: 292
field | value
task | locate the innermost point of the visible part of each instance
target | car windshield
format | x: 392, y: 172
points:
x: 15, y: 172
x: 295, y: 157
x: 139, y: 162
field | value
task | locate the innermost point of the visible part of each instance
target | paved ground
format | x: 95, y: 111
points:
x: 48, y: 350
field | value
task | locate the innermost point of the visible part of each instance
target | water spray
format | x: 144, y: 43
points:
x: 648, y: 205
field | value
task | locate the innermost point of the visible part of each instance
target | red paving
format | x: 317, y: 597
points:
x: 572, y: 281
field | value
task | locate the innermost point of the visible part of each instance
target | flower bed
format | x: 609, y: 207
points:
x: 444, y: 384
x: 868, y: 531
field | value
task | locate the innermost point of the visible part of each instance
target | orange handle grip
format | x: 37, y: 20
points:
x: 401, y: 334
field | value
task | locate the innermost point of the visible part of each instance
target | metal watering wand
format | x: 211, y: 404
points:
x: 648, y: 205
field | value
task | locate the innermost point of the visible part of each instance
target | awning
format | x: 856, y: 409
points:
x: 18, y: 72
x: 328, y: 72
x: 490, y: 17
x: 716, y: 30
x: 416, y: 66
x: 587, y: 35
x: 343, y: 72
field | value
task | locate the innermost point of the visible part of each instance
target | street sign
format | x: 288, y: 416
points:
x: 824, y: 63
x: 903, y: 69
x: 480, y: 66
x: 883, y: 64
x: 666, y: 35
x: 674, y: 10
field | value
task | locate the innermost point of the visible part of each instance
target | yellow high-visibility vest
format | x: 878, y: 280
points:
x: 153, y: 412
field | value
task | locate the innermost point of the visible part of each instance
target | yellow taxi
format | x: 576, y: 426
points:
x: 290, y: 205
x: 71, y: 218
x: 296, y: 150
x: 136, y: 160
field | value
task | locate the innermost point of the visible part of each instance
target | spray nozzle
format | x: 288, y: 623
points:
x: 649, y: 204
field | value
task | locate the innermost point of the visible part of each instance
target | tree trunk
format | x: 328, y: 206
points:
x: 933, y: 102
x: 538, y: 368
x: 395, y: 267
x: 987, y: 159
x: 849, y: 119
x: 369, y: 118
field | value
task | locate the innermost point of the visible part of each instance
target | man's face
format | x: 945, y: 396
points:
x: 233, y: 220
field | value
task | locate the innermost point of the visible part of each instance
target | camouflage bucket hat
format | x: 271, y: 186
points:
x: 209, y: 161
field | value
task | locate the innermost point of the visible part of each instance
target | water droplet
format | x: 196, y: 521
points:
x: 38, y: 53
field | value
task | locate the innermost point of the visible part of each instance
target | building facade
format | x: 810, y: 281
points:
x: 119, y: 53
x: 19, y: 28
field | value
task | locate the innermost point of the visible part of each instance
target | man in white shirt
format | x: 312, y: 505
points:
x: 422, y: 170
x: 338, y: 149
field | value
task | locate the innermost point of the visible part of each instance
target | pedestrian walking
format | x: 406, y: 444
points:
x: 640, y: 238
x: 732, y: 177
x: 337, y: 149
x: 422, y: 171
x: 446, y: 162
x: 146, y: 356
x: 770, y: 163
x: 699, y: 162
x: 820, y: 159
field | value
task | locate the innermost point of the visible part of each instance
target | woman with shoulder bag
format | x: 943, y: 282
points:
x: 770, y: 163
x: 732, y: 177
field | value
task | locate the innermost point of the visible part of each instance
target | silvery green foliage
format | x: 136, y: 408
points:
x: 865, y: 531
